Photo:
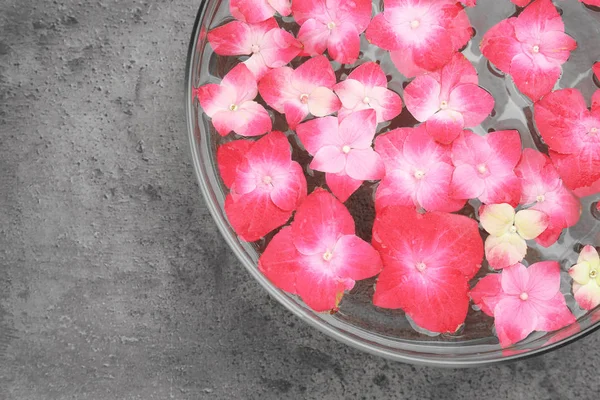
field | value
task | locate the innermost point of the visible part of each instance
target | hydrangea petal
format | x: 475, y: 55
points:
x: 229, y: 156
x: 515, y: 280
x: 500, y: 46
x: 534, y: 79
x: 531, y: 223
x: 497, y: 219
x: 318, y: 133
x: 580, y: 272
x: 473, y: 102
x: 275, y: 87
x: 319, y: 291
x: 341, y: 185
x: 466, y: 183
x: 289, y: 189
x: 369, y: 74
x: 313, y: 35
x: 544, y: 280
x: 344, y: 43
x: 514, y: 319
x: 487, y: 293
x: 552, y: 314
x: 364, y: 164
x: 234, y: 38
x: 357, y: 130
x: 588, y: 295
x: 248, y: 215
x: 504, y: 251
x: 579, y: 172
x: 329, y: 159
x: 422, y: 97
x: 357, y: 259
x: 280, y: 261
x: 445, y: 125
x: 322, y: 102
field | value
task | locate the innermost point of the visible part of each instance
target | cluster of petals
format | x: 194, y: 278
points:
x: 366, y: 88
x: 421, y: 35
x: 572, y: 132
x: 231, y: 104
x: 342, y: 148
x: 523, y: 300
x: 509, y: 230
x: 298, y: 92
x: 543, y: 190
x: 418, y: 171
x: 332, y: 25
x: 485, y: 167
x: 266, y: 186
x: 586, y: 278
x: 318, y: 256
x: 253, y: 11
x: 428, y: 260
x: 449, y: 99
x: 267, y: 45
x: 531, y: 48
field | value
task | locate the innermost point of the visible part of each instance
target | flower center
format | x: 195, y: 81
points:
x: 541, y: 198
x: 421, y: 266
x: 415, y: 23
x: 346, y: 149
x: 327, y: 255
x: 523, y: 296
x: 419, y: 174
x: 366, y: 100
x: 255, y: 48
x: 303, y: 98
x: 593, y: 274
x: 482, y: 168
x: 536, y: 49
x: 593, y: 131
x: 330, y: 25
x: 513, y: 229
x: 267, y: 180
x: 233, y: 107
x: 444, y: 105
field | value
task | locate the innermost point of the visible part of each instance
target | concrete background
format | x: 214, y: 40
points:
x: 114, y: 282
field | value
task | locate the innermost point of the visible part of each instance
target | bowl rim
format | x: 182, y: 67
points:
x: 305, y: 314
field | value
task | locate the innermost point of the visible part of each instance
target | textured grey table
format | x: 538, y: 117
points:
x: 114, y: 282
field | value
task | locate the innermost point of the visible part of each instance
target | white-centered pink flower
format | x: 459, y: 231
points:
x: 586, y: 278
x: 253, y: 11
x: 267, y: 45
x: 343, y: 149
x: 332, y: 25
x: 366, y: 88
x: 306, y: 90
x: 449, y: 99
x: 231, y: 104
x: 506, y: 245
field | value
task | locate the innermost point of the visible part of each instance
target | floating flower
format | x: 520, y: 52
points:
x: 509, y: 231
x: 319, y: 257
x: 296, y: 93
x: 421, y: 35
x: 529, y: 300
x: 418, y: 171
x: 572, y: 132
x: 428, y: 260
x: 229, y: 156
x: 531, y: 47
x: 268, y: 186
x: 366, y: 88
x: 542, y: 187
x: 469, y: 3
x: 485, y: 167
x: 586, y: 278
x: 231, y: 104
x: 596, y: 69
x: 449, y: 99
x: 334, y: 26
x: 253, y: 11
x: 267, y: 45
x: 342, y: 149
x: 521, y: 3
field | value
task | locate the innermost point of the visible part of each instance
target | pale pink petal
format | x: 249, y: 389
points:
x: 434, y: 191
x: 553, y: 314
x: 390, y: 147
x: 355, y: 12
x: 473, y: 102
x: 358, y: 129
x: 256, y: 65
x: 364, y: 164
x: 404, y: 62
x: 251, y: 119
x: 289, y: 188
x: 504, y: 251
x: 422, y: 97
x: 242, y: 81
x: 329, y: 159
x: 322, y: 101
x: 497, y: 219
x: 369, y: 74
x: 214, y: 98
x: 487, y: 293
x: 541, y: 16
x: 283, y: 7
x: 386, y: 103
x: 343, y: 45
x: 445, y: 125
x: 587, y: 296
x: 351, y: 93
x: 251, y: 11
x: 233, y: 38
x: 466, y: 183
x: 278, y: 48
x: 396, y: 189
x: 276, y: 89
x: 500, y: 46
x: 544, y: 280
x: 307, y: 9
x: 314, y: 73
x: 501, y: 189
x: 354, y: 258
x: 341, y: 185
x: 515, y: 280
x: 557, y: 45
x: 318, y: 133
x: 384, y: 34
x: 295, y: 112
x: 314, y: 36
x: 531, y: 223
x: 419, y: 147
x: 457, y: 72
x: 534, y: 79
x: 514, y: 320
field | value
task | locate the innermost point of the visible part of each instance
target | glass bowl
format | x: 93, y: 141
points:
x: 358, y: 323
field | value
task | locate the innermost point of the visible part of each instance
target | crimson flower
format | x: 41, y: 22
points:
x: 418, y: 171
x: 428, y: 260
x: 523, y: 300
x: 296, y: 93
x: 542, y: 187
x: 572, y: 132
x: 449, y: 99
x: 267, y: 45
x: 319, y: 257
x: 531, y: 47
x: 266, y: 186
x: 342, y: 149
x: 231, y: 104
x: 521, y: 3
x: 334, y: 26
x: 365, y: 88
x: 253, y: 11
x: 596, y: 69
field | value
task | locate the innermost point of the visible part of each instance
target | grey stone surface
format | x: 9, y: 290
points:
x: 114, y: 282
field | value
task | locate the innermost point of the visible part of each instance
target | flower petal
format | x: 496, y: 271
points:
x: 579, y: 172
x: 320, y: 291
x: 281, y: 261
x: 553, y: 314
x: 351, y: 92
x: 343, y: 45
x: 541, y: 16
x: 365, y: 164
x: 314, y: 36
x: 557, y: 45
x: 279, y: 47
x: 544, y: 280
x: 276, y: 88
x: 243, y: 82
x: 589, y: 254
x: 445, y: 125
x: 396, y: 189
x: 289, y: 190
x: 369, y: 74
x: 229, y: 157
x: 534, y: 79
x: 234, y: 38
x: 318, y: 133
x: 404, y: 62
x: 504, y: 251
x: 251, y: 119
x: 500, y: 45
x: 473, y: 102
x: 322, y: 101
x: 466, y: 183
x: 515, y: 280
x: 386, y: 103
x: 531, y: 223
x: 329, y: 159
x: 354, y: 258
x: 422, y: 97
x: 341, y: 185
x: 358, y: 129
x: 251, y: 11
x: 295, y: 112
x: 497, y: 219
x: 580, y: 272
x: 314, y: 73
x: 487, y: 293
x: 501, y: 189
x: 514, y: 320
x: 587, y: 296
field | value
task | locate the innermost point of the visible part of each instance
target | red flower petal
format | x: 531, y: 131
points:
x: 541, y: 16
x: 445, y: 125
x: 487, y: 293
x: 422, y: 97
x: 580, y: 172
x: 229, y: 157
x: 357, y: 259
x: 500, y: 44
x: 344, y: 43
x: 280, y: 261
x: 473, y: 102
x: 596, y: 69
x: 341, y: 185
x: 235, y: 38
x: 253, y: 11
x: 318, y: 133
x: 365, y: 164
x: 534, y: 79
x: 250, y: 119
x: 514, y: 319
x: 314, y: 36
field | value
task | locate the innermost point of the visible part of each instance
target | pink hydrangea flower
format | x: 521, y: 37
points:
x: 542, y: 187
x: 342, y: 149
x: 428, y: 260
x: 523, y: 300
x: 485, y: 167
x: 266, y: 187
x: 531, y: 47
x: 267, y: 45
x: 572, y: 132
x: 253, y: 11
x: 449, y: 99
x: 586, y: 278
x: 421, y: 35
x: 231, y: 104
x: 506, y: 245
x: 334, y: 26
x: 305, y: 90
x: 366, y: 88
x: 418, y: 171
x: 319, y: 257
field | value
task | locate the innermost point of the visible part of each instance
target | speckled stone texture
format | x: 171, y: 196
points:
x: 114, y: 282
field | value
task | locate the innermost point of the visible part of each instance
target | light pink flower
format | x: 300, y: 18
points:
x: 366, y: 88
x: 542, y: 187
x: 343, y: 148
x: 418, y: 171
x: 267, y: 45
x: 332, y: 25
x: 586, y: 278
x: 253, y: 11
x: 485, y: 167
x: 305, y: 90
x: 531, y: 47
x: 231, y: 104
x: 421, y: 35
